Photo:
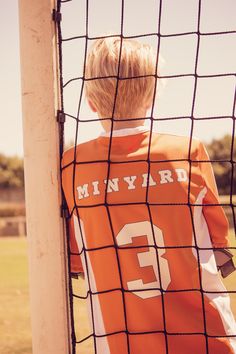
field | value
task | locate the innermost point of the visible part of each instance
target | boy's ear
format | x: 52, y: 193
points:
x: 92, y: 106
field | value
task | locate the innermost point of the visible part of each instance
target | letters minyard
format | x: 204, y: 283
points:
x: 176, y: 175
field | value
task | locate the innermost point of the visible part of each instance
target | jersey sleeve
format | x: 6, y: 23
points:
x: 75, y: 260
x: 215, y: 216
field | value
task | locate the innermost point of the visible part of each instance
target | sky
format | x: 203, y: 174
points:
x: 11, y: 141
x: 217, y: 55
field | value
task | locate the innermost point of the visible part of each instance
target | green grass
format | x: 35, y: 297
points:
x: 225, y: 199
x: 15, y: 334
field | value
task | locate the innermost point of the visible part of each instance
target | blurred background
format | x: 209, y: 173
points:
x: 215, y: 100
x: 15, y: 334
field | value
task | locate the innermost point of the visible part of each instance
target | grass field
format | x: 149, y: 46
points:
x: 15, y: 335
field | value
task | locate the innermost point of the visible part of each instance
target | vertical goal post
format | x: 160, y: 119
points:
x: 48, y: 271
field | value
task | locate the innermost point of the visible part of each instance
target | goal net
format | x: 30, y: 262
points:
x: 194, y: 97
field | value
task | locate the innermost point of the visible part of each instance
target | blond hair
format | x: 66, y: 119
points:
x: 136, y: 60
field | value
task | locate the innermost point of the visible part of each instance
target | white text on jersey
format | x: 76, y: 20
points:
x: 113, y: 184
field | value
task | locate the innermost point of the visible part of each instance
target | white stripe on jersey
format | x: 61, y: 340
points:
x: 211, y: 280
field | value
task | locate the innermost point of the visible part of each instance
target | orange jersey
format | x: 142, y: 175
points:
x: 144, y: 225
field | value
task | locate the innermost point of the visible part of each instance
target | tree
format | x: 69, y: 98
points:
x: 11, y: 172
x: 221, y: 150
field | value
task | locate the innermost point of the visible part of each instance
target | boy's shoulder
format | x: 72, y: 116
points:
x: 83, y: 152
x: 179, y: 145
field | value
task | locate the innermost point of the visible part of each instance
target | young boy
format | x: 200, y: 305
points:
x: 144, y: 218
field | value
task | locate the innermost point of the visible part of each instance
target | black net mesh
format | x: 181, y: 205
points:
x: 197, y: 41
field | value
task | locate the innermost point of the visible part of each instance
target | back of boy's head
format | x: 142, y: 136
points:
x: 137, y: 59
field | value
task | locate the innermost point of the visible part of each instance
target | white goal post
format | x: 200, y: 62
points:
x: 45, y: 231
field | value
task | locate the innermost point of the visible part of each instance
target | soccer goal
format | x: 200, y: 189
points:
x: 113, y: 212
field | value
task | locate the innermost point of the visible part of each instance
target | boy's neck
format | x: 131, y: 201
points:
x: 125, y: 123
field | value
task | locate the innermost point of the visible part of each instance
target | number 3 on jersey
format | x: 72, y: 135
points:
x: 152, y: 257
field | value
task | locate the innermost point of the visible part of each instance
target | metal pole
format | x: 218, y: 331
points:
x: 45, y: 232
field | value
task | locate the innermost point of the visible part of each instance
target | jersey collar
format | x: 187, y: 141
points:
x: 126, y: 131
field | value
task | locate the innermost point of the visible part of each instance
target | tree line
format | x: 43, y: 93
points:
x: 11, y: 172
x: 221, y: 152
